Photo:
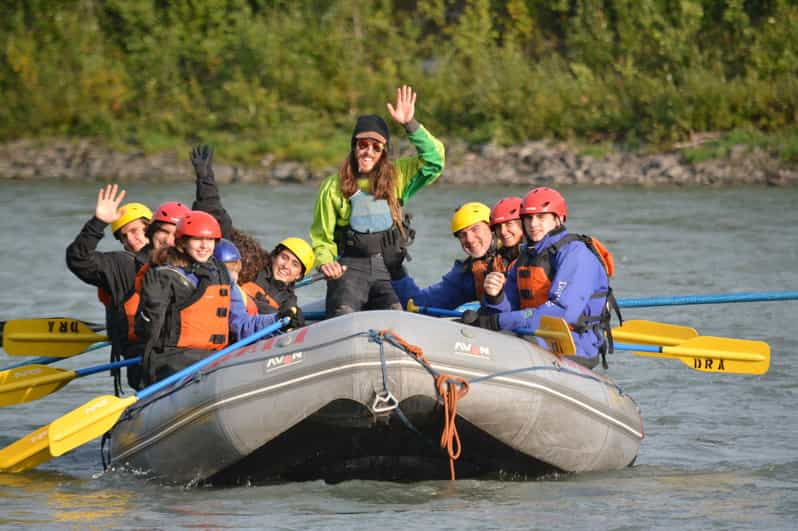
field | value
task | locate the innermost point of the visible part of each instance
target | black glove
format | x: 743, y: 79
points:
x: 202, y: 159
x: 489, y: 322
x: 393, y: 254
x: 296, y: 319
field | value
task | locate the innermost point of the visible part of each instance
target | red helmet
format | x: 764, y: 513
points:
x: 170, y: 212
x: 543, y: 199
x: 198, y: 224
x: 506, y: 209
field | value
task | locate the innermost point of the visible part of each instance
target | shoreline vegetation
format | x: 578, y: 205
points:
x: 619, y: 88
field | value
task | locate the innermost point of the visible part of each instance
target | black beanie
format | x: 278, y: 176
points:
x: 371, y: 126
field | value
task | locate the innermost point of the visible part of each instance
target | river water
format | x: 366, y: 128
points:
x: 721, y: 450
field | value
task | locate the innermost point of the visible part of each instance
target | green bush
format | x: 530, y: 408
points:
x: 287, y: 79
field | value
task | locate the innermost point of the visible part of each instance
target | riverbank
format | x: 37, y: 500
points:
x: 536, y: 162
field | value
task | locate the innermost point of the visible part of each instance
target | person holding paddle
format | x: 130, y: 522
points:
x: 359, y: 211
x: 558, y: 275
x: 188, y: 308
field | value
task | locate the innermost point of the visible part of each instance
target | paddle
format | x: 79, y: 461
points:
x: 310, y: 279
x: 43, y: 360
x: 762, y: 296
x: 555, y: 331
x: 57, y: 337
x: 99, y: 415
x: 711, y: 354
x: 653, y: 333
x: 26, y: 384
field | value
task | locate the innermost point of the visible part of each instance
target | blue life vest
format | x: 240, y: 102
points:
x: 369, y: 215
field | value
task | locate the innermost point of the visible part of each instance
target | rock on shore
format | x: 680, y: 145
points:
x: 530, y: 163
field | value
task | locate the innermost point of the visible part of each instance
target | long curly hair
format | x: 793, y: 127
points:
x: 381, y: 182
x: 254, y: 258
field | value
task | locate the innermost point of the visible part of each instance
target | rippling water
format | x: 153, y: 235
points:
x: 720, y: 450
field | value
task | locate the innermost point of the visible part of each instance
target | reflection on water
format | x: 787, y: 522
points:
x: 61, y: 498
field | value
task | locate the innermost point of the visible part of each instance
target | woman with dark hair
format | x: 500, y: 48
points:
x: 359, y: 211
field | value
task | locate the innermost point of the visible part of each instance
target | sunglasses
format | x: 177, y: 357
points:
x: 364, y: 143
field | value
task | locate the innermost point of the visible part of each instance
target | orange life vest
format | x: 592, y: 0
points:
x: 253, y: 289
x: 480, y: 267
x: 249, y: 302
x: 104, y: 297
x: 203, y: 320
x: 131, y: 303
x: 535, y: 273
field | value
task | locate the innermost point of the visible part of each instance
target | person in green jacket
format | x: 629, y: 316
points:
x: 359, y: 211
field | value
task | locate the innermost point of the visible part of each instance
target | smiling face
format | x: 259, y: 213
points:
x: 200, y: 249
x: 538, y: 225
x: 510, y: 233
x: 132, y: 235
x: 163, y: 235
x: 286, y: 267
x: 368, y: 152
x: 475, y: 239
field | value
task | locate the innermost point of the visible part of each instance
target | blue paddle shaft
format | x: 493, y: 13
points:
x: 107, y: 367
x: 762, y: 296
x: 191, y: 369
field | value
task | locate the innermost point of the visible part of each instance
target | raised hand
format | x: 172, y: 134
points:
x: 108, y: 202
x: 202, y: 160
x: 405, y: 105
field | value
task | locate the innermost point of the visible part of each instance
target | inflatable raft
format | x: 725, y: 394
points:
x: 356, y: 397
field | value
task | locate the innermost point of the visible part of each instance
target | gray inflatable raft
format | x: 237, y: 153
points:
x: 337, y: 400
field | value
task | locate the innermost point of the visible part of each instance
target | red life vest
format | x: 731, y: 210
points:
x: 131, y: 303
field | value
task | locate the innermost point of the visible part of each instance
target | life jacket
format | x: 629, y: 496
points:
x: 252, y: 308
x: 202, y: 320
x: 480, y: 267
x: 535, y: 274
x: 104, y: 297
x: 131, y: 303
x: 255, y: 293
x: 371, y: 227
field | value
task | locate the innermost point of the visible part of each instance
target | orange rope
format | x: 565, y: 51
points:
x: 415, y: 350
x: 451, y: 393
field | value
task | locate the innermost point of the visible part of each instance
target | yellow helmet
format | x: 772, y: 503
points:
x: 301, y: 250
x: 468, y: 214
x: 130, y: 212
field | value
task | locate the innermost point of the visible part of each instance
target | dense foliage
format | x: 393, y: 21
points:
x: 287, y: 78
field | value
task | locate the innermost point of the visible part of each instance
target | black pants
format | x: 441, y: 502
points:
x: 366, y: 285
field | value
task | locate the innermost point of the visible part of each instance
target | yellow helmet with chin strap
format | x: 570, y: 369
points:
x: 301, y: 249
x: 131, y: 212
x: 468, y: 214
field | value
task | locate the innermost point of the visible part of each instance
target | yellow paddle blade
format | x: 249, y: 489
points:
x: 28, y: 452
x: 87, y: 422
x: 32, y: 382
x: 719, y: 354
x: 54, y: 337
x: 653, y: 333
x: 557, y: 335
